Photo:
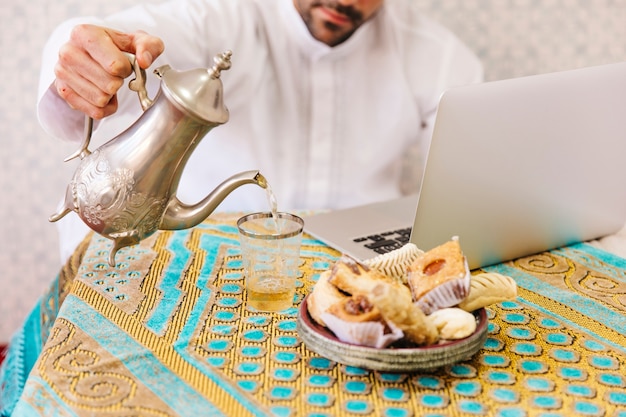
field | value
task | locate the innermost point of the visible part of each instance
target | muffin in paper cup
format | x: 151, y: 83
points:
x: 375, y: 334
x: 440, y: 278
x: 448, y: 294
x: 357, y: 321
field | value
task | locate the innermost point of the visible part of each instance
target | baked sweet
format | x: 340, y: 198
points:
x: 356, y: 320
x: 453, y: 323
x: 323, y: 296
x: 353, y: 277
x: 356, y: 308
x: 368, y: 333
x: 395, y: 303
x: 440, y: 277
x: 488, y: 288
x: 395, y: 263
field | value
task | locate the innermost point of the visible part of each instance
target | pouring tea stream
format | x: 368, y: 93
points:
x: 126, y: 189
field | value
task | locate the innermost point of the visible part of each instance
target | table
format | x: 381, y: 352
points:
x: 167, y: 332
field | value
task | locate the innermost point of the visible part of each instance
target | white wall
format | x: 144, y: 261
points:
x: 523, y: 37
x: 513, y: 37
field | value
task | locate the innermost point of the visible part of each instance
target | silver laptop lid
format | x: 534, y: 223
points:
x: 525, y: 165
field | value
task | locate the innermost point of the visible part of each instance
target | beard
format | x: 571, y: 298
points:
x: 355, y: 16
x: 338, y: 33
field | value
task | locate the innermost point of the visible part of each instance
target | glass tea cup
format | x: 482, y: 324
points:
x: 270, y: 250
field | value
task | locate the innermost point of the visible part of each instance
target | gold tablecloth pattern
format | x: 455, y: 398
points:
x: 168, y: 332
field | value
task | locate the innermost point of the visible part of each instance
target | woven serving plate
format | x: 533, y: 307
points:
x: 323, y: 342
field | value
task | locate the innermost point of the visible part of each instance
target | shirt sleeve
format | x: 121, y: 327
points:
x: 54, y: 115
x: 193, y: 31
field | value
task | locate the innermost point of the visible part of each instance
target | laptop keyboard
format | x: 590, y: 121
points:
x: 387, y: 241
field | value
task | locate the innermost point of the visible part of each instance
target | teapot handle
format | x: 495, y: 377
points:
x: 137, y: 84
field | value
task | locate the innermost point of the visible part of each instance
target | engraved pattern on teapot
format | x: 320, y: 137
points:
x: 106, y: 196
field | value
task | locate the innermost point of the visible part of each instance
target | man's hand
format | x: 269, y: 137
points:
x: 92, y: 66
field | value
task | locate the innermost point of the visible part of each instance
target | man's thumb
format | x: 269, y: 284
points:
x: 147, y: 48
x: 144, y: 46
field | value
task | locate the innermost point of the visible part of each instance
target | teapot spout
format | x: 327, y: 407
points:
x: 179, y: 215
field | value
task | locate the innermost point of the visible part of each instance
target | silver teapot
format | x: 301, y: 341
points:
x: 126, y: 189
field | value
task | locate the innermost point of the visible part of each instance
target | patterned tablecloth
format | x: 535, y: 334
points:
x: 167, y: 332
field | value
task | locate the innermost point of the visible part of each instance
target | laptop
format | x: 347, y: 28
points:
x: 515, y: 167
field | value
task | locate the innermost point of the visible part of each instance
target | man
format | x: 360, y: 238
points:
x: 326, y: 97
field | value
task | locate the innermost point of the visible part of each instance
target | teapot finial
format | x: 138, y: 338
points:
x: 222, y: 62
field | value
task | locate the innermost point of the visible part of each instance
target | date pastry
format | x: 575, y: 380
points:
x: 395, y: 263
x: 453, y: 323
x: 356, y: 308
x: 440, y: 277
x: 353, y: 277
x: 396, y: 307
x: 355, y: 320
x: 489, y: 288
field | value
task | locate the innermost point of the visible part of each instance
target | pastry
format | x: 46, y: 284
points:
x: 488, y: 288
x: 395, y: 263
x: 353, y: 277
x: 396, y: 307
x: 323, y: 296
x: 355, y: 320
x: 440, y: 277
x: 356, y: 308
x: 453, y: 323
x: 368, y: 333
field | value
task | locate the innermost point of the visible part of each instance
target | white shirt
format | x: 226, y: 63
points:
x: 327, y: 126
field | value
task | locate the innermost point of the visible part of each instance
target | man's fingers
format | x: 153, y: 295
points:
x: 77, y: 102
x: 93, y: 65
x: 102, y: 45
x: 75, y: 65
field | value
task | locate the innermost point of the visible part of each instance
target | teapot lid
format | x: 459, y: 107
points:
x: 198, y: 91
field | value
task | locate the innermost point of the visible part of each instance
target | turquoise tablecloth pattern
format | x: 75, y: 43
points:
x: 168, y: 332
